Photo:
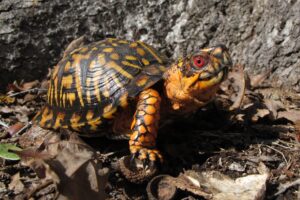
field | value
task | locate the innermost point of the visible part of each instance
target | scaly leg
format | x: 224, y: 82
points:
x: 144, y: 127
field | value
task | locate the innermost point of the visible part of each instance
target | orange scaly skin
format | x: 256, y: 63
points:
x: 145, y: 125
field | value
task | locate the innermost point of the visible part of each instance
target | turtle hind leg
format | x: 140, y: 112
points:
x: 144, y: 127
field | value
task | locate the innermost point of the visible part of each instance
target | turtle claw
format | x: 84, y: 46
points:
x: 148, y: 157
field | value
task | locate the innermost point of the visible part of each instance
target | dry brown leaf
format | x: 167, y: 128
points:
x: 28, y: 97
x: 238, y: 76
x: 72, y: 166
x: 257, y: 80
x: 15, y: 87
x: 13, y: 129
x: 6, y: 110
x: 29, y: 85
x: 291, y: 115
x: 261, y: 113
x: 222, y: 187
x: 16, y: 184
x: 274, y: 106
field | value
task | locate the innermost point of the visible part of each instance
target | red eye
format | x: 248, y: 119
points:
x: 199, y: 61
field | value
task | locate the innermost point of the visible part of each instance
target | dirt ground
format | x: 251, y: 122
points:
x: 250, y: 124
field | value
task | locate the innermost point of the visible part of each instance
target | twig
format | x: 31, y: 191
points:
x: 41, y: 186
x: 280, y: 145
x: 278, y: 152
x: 4, y: 124
x: 23, y: 128
x: 284, y: 187
x: 26, y: 91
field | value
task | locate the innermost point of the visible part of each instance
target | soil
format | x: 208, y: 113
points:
x: 264, y: 129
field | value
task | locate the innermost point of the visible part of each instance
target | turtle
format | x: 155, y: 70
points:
x: 122, y: 89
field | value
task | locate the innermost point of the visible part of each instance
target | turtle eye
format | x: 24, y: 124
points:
x: 199, y: 61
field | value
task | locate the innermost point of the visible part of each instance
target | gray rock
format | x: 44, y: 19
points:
x: 261, y: 34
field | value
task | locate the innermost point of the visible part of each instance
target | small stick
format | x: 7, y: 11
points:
x: 284, y: 187
x: 25, y: 91
x: 4, y: 124
x: 279, y: 153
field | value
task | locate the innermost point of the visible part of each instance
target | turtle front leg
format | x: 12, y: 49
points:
x: 144, y: 127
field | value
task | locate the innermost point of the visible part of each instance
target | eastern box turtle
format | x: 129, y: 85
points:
x: 122, y: 88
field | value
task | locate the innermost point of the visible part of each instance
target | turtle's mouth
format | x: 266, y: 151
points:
x: 206, y: 75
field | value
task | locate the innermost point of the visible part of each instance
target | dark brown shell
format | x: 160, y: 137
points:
x: 88, y: 85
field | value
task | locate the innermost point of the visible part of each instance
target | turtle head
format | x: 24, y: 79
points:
x: 194, y: 80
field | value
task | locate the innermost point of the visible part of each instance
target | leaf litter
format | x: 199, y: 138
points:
x: 217, y: 153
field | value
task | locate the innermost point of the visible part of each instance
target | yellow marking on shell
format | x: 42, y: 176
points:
x: 55, y: 71
x: 123, y: 41
x: 67, y: 66
x: 101, y: 60
x: 106, y: 87
x: 55, y: 90
x: 111, y: 39
x: 133, y: 44
x: 123, y: 100
x: 89, y: 115
x: 46, y: 116
x: 114, y: 56
x: 74, y: 121
x: 94, y: 123
x: 50, y: 101
x: 108, y: 111
x: 151, y: 51
x: 71, y: 98
x: 49, y: 93
x: 131, y: 65
x: 94, y: 48
x: 129, y: 57
x: 96, y: 78
x: 108, y: 50
x: 88, y: 91
x: 117, y: 81
x: 119, y: 69
x: 63, y: 99
x: 59, y: 118
x: 141, y: 81
x: 106, y: 93
x: 140, y: 51
x: 162, y: 68
x: 83, y: 49
x: 67, y: 81
x: 145, y: 61
x: 114, y: 44
x: 77, y: 58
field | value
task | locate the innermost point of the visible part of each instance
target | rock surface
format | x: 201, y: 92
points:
x: 261, y: 34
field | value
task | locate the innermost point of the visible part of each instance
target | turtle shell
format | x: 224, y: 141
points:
x: 89, y: 85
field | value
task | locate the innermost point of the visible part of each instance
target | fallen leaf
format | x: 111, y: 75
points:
x: 72, y: 166
x: 291, y: 115
x: 13, y: 129
x: 257, y: 80
x: 261, y: 113
x: 15, y: 87
x: 16, y: 184
x: 6, y: 110
x: 222, y: 187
